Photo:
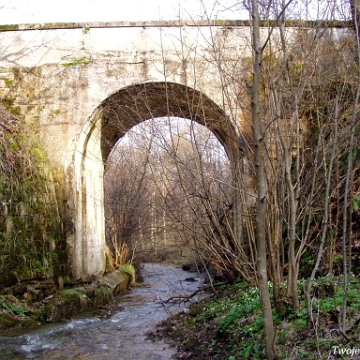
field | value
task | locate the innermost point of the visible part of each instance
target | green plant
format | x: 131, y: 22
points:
x: 230, y: 320
x: 20, y: 310
x: 128, y: 268
x: 81, y: 61
x: 356, y: 203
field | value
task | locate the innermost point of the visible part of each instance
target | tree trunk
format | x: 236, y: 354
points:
x: 261, y: 222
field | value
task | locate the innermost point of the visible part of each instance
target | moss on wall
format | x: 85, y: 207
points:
x: 31, y: 240
x: 81, y: 61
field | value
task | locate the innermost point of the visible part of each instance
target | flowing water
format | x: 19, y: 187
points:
x: 121, y: 336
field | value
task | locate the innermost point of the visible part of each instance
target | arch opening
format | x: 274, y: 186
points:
x: 166, y: 184
x: 134, y: 104
x: 110, y: 121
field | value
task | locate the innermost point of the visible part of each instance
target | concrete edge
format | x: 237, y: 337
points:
x: 170, y: 23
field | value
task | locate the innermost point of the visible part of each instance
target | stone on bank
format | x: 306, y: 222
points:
x: 64, y: 304
x: 70, y: 302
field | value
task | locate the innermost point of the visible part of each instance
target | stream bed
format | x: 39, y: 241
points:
x: 121, y: 336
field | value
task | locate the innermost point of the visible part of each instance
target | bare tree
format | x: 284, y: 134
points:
x: 261, y: 217
x: 180, y: 188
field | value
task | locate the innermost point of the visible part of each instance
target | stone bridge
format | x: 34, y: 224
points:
x: 83, y: 86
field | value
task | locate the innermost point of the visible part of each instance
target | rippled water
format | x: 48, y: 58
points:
x: 122, y: 336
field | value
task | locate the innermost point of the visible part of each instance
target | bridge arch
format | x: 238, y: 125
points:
x: 109, y: 122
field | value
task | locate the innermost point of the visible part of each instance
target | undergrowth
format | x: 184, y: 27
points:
x: 231, y: 326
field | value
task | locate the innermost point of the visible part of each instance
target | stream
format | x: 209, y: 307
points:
x: 122, y: 336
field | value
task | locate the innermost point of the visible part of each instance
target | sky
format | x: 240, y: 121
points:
x: 49, y: 11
